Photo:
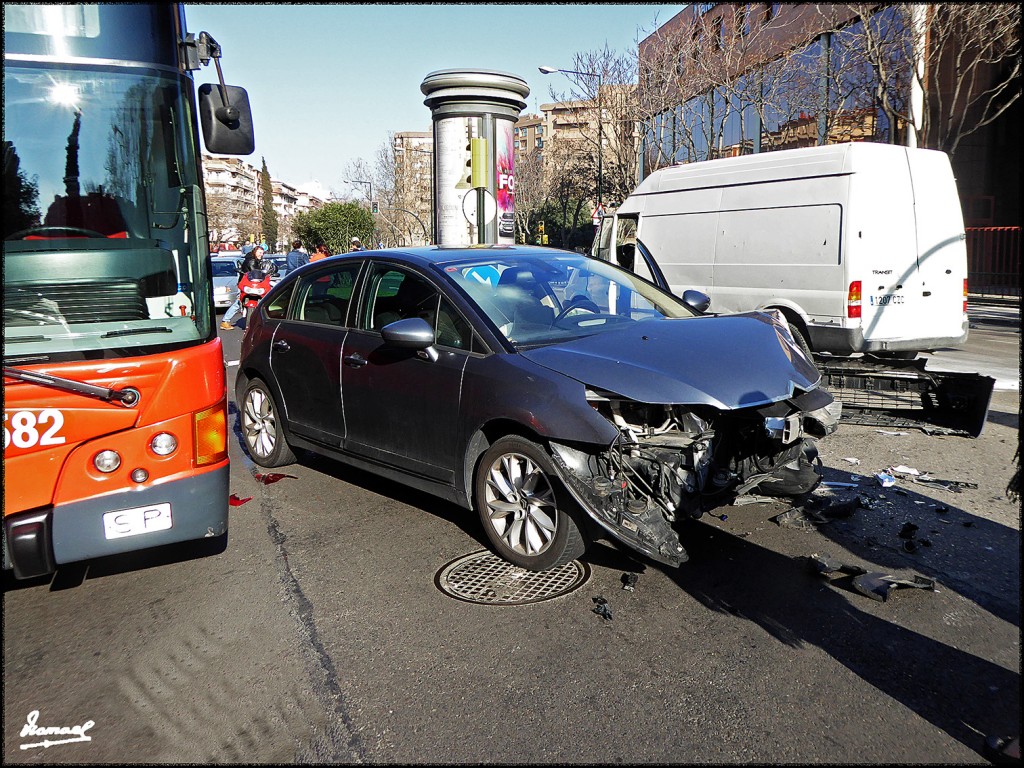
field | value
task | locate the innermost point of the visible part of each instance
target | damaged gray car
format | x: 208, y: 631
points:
x: 562, y: 398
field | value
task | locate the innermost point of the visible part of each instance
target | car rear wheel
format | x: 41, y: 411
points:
x: 524, y: 508
x: 261, y: 427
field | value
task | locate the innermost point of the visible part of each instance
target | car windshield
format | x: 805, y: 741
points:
x: 224, y: 268
x: 535, y: 301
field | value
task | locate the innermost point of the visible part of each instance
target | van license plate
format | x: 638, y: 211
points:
x: 885, y: 299
x: 132, y: 522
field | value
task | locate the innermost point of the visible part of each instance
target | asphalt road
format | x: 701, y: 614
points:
x: 319, y: 634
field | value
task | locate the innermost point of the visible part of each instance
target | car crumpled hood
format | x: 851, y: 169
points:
x: 730, y: 361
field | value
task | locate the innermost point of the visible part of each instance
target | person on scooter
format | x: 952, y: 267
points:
x: 253, y: 261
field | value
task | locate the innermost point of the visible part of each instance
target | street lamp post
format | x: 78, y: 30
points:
x: 360, y: 181
x: 600, y: 120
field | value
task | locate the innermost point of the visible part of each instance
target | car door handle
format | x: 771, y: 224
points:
x: 356, y: 360
x: 282, y: 345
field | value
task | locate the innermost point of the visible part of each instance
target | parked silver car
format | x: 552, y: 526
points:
x: 225, y: 280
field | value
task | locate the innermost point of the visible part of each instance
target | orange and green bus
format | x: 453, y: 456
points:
x: 115, y: 409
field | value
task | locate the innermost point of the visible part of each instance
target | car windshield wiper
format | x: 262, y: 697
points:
x: 126, y: 396
x: 134, y: 331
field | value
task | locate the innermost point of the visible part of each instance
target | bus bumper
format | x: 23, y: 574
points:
x: 40, y: 540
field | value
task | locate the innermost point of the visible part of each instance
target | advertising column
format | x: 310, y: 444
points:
x: 474, y: 114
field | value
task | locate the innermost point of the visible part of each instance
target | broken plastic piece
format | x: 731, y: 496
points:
x: 799, y: 518
x: 749, y: 498
x: 887, y: 432
x: 827, y: 564
x: 629, y: 581
x: 852, y: 460
x: 903, y: 470
x: 234, y: 501
x: 885, y: 479
x: 272, y: 477
x: 601, y: 608
x: 839, y: 485
x: 877, y: 585
x: 953, y: 486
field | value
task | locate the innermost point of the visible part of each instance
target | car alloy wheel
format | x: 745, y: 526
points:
x: 261, y: 428
x: 521, y: 506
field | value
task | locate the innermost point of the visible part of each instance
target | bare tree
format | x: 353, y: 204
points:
x: 227, y: 217
x: 964, y: 59
x: 614, y: 132
x: 712, y: 83
x: 530, y: 194
x: 570, y: 170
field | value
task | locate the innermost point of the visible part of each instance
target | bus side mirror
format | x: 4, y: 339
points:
x: 227, y: 128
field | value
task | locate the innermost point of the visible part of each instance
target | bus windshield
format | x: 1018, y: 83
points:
x: 104, y: 247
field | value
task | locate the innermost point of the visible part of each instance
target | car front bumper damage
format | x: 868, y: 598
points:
x: 672, y: 462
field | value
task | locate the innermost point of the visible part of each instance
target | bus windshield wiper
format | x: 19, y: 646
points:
x: 127, y: 396
x: 133, y: 331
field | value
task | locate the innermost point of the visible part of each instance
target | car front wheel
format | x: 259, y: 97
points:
x: 261, y: 427
x: 524, y: 508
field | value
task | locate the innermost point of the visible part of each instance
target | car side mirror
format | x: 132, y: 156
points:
x: 411, y: 333
x: 696, y: 300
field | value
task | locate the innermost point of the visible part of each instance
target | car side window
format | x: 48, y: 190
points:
x: 325, y: 297
x: 451, y: 328
x: 395, y: 294
x: 277, y: 307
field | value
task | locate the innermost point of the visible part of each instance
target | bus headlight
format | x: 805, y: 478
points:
x: 164, y: 444
x: 107, y: 461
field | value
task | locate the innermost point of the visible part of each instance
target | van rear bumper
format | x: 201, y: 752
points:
x: 846, y: 340
x: 39, y: 541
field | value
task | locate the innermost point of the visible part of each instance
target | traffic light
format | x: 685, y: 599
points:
x: 374, y: 207
x: 540, y: 228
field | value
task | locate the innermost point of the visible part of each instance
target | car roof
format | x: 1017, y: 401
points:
x: 444, y: 254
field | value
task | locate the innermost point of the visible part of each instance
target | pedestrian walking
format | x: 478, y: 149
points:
x: 297, y: 256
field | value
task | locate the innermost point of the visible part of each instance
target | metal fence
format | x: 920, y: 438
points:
x: 993, y: 260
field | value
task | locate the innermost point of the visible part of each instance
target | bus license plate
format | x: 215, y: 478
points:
x: 132, y: 522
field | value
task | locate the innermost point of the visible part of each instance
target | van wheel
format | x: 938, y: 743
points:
x: 525, y: 511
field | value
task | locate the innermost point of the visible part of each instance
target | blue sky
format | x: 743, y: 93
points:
x: 328, y: 82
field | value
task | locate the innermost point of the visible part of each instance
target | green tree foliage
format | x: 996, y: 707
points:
x: 334, y: 224
x: 21, y: 195
x: 268, y: 219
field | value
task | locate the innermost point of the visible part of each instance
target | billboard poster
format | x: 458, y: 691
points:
x: 451, y: 141
x: 505, y: 181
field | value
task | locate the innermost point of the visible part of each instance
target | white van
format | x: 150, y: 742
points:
x: 860, y: 245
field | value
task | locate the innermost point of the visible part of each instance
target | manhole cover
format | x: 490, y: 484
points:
x: 483, y: 577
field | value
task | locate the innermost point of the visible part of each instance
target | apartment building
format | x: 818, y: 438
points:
x: 413, y: 204
x: 234, y: 204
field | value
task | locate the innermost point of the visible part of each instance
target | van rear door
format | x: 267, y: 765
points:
x: 941, y: 242
x: 882, y: 249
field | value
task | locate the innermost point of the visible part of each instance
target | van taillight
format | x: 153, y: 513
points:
x: 965, y: 295
x: 853, y: 300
